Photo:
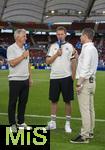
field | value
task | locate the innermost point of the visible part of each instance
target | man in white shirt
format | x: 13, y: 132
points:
x: 85, y: 74
x: 63, y: 67
x: 19, y: 80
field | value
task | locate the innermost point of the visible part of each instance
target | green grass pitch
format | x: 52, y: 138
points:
x: 38, y: 104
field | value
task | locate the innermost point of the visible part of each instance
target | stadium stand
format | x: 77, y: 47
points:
x: 39, y: 45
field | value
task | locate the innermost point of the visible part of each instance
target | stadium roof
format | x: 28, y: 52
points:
x: 52, y: 11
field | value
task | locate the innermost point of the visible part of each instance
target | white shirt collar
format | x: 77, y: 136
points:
x: 89, y: 43
x: 18, y: 46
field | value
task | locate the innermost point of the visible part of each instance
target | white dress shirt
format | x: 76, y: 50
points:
x: 87, y: 62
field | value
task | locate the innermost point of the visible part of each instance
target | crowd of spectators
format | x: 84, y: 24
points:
x: 38, y: 49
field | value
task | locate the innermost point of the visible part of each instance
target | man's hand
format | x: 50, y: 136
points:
x: 73, y: 76
x: 79, y: 88
x: 30, y: 82
x: 59, y: 52
x: 75, y: 54
x: 25, y: 54
x: 50, y: 60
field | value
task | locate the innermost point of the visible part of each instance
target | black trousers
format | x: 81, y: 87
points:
x: 18, y: 92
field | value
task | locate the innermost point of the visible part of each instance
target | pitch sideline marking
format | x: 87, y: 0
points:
x: 61, y: 118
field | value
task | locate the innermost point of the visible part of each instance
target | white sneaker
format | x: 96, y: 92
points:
x: 51, y: 125
x: 67, y: 127
x: 24, y: 126
x: 13, y: 128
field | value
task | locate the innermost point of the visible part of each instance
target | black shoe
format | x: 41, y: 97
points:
x: 79, y: 139
x: 91, y: 135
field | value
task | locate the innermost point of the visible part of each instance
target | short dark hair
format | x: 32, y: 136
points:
x: 89, y: 33
x: 61, y: 28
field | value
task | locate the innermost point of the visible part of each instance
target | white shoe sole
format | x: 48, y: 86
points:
x: 24, y: 128
x: 48, y: 128
x: 85, y: 142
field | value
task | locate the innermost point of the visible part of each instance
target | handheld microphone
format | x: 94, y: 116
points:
x: 26, y: 47
x: 59, y: 43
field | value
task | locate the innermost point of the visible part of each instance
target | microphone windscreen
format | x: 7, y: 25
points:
x: 26, y: 46
x: 59, y: 43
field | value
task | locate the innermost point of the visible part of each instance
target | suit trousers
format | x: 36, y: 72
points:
x: 86, y: 106
x: 18, y: 92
